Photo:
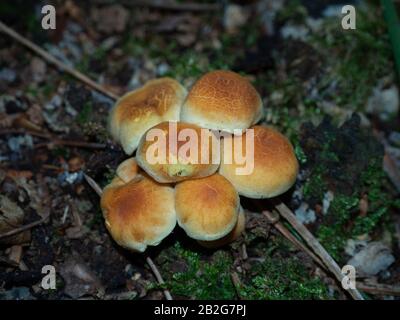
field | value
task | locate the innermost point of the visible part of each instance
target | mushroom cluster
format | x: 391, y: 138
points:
x: 195, y: 186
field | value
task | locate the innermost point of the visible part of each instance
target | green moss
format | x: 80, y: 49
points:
x: 48, y: 88
x: 61, y: 152
x: 379, y: 201
x: 85, y: 114
x: 333, y: 234
x: 298, y: 150
x: 348, y: 161
x: 293, y: 11
x: 342, y: 206
x: 314, y: 187
x: 336, y: 228
x: 202, y: 279
x: 278, y: 278
x: 333, y: 239
x: 187, y: 63
x: 209, y: 277
x: 288, y: 106
x: 109, y: 175
x: 349, y: 52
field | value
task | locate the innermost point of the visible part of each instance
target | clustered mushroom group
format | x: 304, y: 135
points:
x: 145, y: 200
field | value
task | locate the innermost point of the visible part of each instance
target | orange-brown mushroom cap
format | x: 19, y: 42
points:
x: 137, y: 111
x: 128, y: 170
x: 222, y: 100
x: 177, y: 151
x: 231, y: 236
x: 138, y: 213
x: 207, y: 208
x: 275, y: 164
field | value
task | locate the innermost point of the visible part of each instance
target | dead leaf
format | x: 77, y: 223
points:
x: 38, y: 69
x: 35, y: 115
x: 110, y: 19
x: 37, y: 195
x: 79, y: 279
x: 11, y: 217
x: 372, y: 259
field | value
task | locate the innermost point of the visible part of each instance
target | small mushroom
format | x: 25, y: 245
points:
x: 140, y: 212
x: 275, y: 164
x: 231, y: 236
x: 133, y: 114
x: 177, y: 152
x: 127, y: 170
x: 207, y: 208
x: 222, y: 100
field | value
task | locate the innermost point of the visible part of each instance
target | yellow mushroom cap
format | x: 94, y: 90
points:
x: 138, y: 213
x: 137, y: 111
x: 222, y: 100
x: 231, y: 236
x: 127, y: 170
x: 177, y: 152
x: 275, y: 164
x: 207, y: 208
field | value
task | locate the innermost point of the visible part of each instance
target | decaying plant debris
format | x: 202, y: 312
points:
x: 333, y: 93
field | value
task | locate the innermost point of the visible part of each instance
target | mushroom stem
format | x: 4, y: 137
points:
x: 315, y: 245
x: 149, y: 261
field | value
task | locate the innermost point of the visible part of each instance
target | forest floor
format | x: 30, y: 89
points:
x: 333, y: 92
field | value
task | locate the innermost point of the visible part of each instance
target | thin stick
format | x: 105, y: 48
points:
x: 288, y: 235
x: 71, y: 143
x: 380, y: 289
x: 150, y: 262
x: 23, y: 228
x: 49, y: 58
x: 167, y: 5
x: 158, y: 276
x: 93, y: 184
x: 55, y: 140
x: 236, y: 283
x: 314, y: 244
x: 8, y: 262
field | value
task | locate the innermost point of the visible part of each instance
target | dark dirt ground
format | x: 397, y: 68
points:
x: 332, y: 92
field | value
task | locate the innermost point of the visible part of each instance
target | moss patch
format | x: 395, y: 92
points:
x: 348, y: 161
x: 357, y: 58
x: 199, y: 278
x: 282, y: 279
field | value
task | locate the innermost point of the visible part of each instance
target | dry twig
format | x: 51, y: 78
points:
x: 236, y: 283
x: 49, y: 58
x: 158, y: 276
x: 167, y: 5
x: 379, y: 289
x: 314, y: 244
x: 288, y: 235
x: 149, y: 261
x: 54, y: 140
x: 23, y: 228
